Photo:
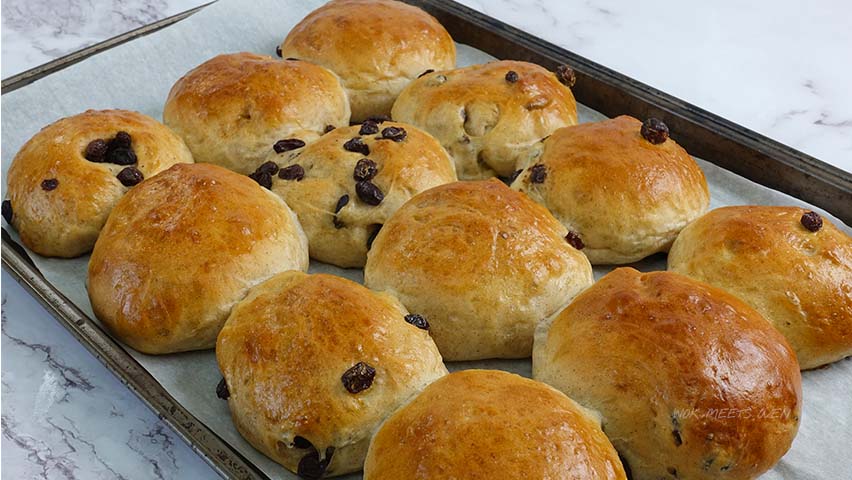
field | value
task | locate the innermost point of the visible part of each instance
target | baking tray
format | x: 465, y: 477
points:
x: 703, y: 134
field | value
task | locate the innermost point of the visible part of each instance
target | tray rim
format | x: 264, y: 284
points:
x: 226, y: 460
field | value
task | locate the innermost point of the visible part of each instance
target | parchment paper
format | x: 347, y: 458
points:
x: 138, y: 76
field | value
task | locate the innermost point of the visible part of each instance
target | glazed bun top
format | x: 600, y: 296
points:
x: 489, y: 117
x: 375, y: 46
x: 61, y: 190
x: 686, y: 377
x: 792, y: 265
x: 491, y: 425
x: 624, y: 196
x: 233, y: 108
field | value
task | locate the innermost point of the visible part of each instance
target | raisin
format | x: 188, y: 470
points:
x: 396, y: 134
x: 678, y: 440
x: 96, y: 150
x: 328, y: 128
x: 311, y: 467
x: 538, y: 173
x: 812, y: 221
x: 511, y: 76
x: 292, y: 59
x: 121, y: 156
x: 369, y: 127
x: 292, y: 172
x: 365, y: 169
x: 121, y: 140
x: 49, y: 184
x: 574, y: 240
x: 358, y: 378
x: 287, y: 144
x: 376, y: 229
x: 356, y: 145
x: 417, y: 320
x: 654, y: 131
x: 278, y: 51
x: 222, y: 390
x: 302, y: 442
x: 341, y: 202
x: 566, y: 75
x: 426, y: 72
x: 130, y: 176
x: 379, y: 118
x: 7, y: 211
x: 369, y: 193
x: 268, y: 167
x: 264, y: 179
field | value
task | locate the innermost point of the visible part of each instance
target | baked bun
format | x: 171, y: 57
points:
x: 376, y: 47
x: 622, y: 196
x: 481, y: 262
x: 488, y: 424
x: 487, y: 122
x: 180, y: 249
x: 690, y: 382
x: 342, y: 197
x: 313, y: 364
x: 234, y: 108
x: 800, y: 280
x: 60, y: 199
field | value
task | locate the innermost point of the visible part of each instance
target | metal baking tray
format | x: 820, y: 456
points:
x: 702, y: 133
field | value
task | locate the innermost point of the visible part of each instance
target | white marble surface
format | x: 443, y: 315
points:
x: 773, y: 66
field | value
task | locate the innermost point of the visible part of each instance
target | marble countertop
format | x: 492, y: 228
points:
x: 772, y: 66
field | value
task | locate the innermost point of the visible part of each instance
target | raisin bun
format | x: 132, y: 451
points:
x: 488, y: 424
x: 481, y: 262
x: 66, y: 179
x: 344, y: 186
x: 313, y: 364
x: 233, y: 109
x: 624, y: 190
x: 376, y: 47
x: 180, y: 249
x: 489, y: 117
x: 791, y: 265
x: 690, y: 382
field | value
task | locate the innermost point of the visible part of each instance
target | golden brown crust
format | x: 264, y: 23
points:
x: 690, y: 381
x: 486, y: 123
x: 491, y: 425
x: 65, y: 222
x: 625, y: 197
x: 404, y: 169
x: 801, y: 281
x: 232, y: 109
x: 376, y: 47
x: 180, y: 249
x: 285, y: 348
x: 481, y: 262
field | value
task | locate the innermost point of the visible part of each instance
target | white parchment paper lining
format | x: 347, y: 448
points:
x: 138, y: 76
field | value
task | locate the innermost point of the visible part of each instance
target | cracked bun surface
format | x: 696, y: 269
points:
x: 690, y: 382
x: 491, y: 425
x: 623, y: 196
x: 376, y: 47
x: 313, y: 364
x: 181, y: 248
x: 481, y: 262
x: 486, y: 122
x: 233, y: 108
x: 60, y: 199
x: 343, y: 197
x: 800, y: 280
